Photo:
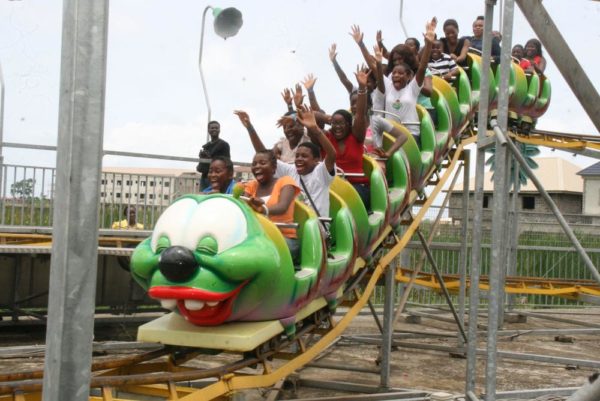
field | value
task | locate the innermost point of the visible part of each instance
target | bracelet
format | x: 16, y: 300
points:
x: 361, y: 91
x: 311, y: 91
x: 266, y: 209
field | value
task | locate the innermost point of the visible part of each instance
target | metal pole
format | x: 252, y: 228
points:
x: 563, y: 57
x: 561, y: 220
x: 498, y: 253
x: 464, y: 242
x: 513, y: 230
x: 482, y: 120
x: 1, y: 123
x: 442, y: 285
x: 402, y: 19
x: 388, y: 327
x: 200, y: 68
x: 75, y: 234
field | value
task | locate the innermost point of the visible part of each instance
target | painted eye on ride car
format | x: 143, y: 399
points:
x: 214, y: 225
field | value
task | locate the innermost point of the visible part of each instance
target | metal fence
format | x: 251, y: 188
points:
x: 544, y: 253
x: 27, y: 193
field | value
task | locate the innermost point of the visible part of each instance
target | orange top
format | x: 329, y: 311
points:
x: 288, y: 216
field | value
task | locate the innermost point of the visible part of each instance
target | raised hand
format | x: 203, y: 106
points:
x: 356, y: 34
x: 298, y: 96
x: 333, y: 52
x: 306, y: 117
x: 244, y: 117
x: 309, y: 82
x: 378, y: 53
x: 430, y: 30
x: 361, y: 77
x: 379, y: 37
x: 287, y: 96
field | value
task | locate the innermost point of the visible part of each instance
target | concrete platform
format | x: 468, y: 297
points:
x: 173, y: 329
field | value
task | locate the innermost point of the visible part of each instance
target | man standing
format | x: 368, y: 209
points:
x: 214, y: 147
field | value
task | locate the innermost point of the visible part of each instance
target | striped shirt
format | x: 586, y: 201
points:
x: 442, y: 66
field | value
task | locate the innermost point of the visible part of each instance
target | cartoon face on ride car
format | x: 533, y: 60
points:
x: 209, y: 260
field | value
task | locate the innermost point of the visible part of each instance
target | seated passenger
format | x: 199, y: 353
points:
x: 477, y: 39
x: 456, y: 47
x: 220, y: 176
x: 311, y: 175
x: 347, y: 137
x: 533, y: 53
x: 518, y: 52
x: 440, y: 63
x: 399, y: 93
x: 274, y: 197
x: 294, y: 136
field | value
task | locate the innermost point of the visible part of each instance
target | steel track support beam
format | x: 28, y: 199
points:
x: 482, y: 120
x: 75, y: 233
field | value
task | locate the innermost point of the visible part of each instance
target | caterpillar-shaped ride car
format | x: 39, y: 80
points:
x: 213, y: 260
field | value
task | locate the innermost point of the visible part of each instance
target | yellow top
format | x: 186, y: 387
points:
x: 125, y: 224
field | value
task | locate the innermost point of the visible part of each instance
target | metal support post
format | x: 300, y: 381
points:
x: 513, y: 224
x: 388, y: 327
x: 442, y: 285
x: 464, y: 241
x: 75, y: 233
x: 482, y: 120
x: 561, y: 220
x: 1, y: 124
x: 563, y: 57
x: 498, y: 251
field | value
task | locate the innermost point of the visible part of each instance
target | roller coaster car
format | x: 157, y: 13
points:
x: 213, y: 260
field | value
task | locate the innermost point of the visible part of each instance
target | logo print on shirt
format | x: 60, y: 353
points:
x: 397, y: 104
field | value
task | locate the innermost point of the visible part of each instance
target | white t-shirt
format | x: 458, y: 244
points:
x: 402, y: 103
x: 317, y: 183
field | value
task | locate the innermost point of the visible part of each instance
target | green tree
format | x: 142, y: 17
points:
x: 22, y: 189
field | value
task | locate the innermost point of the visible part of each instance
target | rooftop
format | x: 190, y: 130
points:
x: 594, y: 169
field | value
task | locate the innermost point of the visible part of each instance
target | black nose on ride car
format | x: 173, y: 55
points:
x: 177, y: 264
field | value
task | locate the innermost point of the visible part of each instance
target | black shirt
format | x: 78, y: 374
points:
x: 209, y: 151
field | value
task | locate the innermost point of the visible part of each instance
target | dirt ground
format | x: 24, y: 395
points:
x: 417, y: 369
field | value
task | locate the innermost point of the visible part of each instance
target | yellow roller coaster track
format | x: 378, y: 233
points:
x: 231, y: 382
x: 570, y: 289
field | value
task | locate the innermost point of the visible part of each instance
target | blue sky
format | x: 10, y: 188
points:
x: 154, y: 100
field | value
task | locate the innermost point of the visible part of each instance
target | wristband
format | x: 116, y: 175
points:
x: 361, y: 91
x: 266, y: 210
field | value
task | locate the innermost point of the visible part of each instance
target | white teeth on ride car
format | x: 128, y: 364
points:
x: 168, y: 303
x: 194, y: 305
x: 212, y: 303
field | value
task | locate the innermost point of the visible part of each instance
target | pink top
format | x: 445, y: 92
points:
x: 350, y: 160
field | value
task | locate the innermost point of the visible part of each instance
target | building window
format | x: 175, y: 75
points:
x: 486, y: 201
x: 151, y: 183
x: 528, y: 202
x: 128, y: 182
x: 103, y: 182
x: 166, y: 197
x: 127, y: 195
x: 151, y: 196
x: 167, y: 183
x: 142, y: 183
x: 102, y: 194
x: 118, y: 182
x: 117, y: 195
x: 142, y: 196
